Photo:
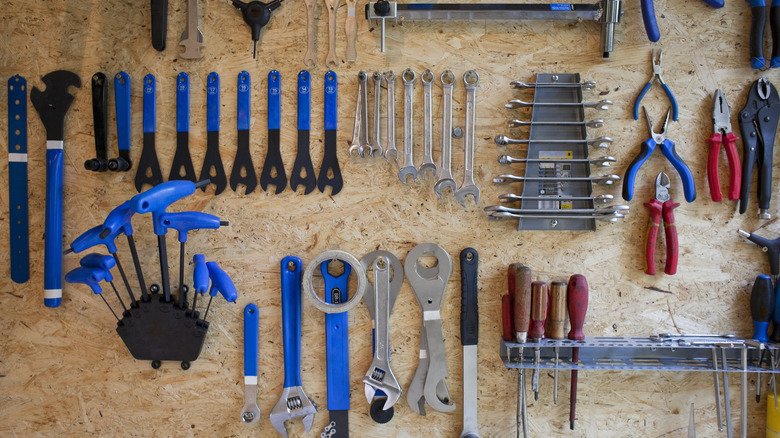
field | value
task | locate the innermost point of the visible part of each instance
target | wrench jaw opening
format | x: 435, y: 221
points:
x: 408, y: 170
x: 382, y: 378
x: 465, y: 191
x: 250, y: 413
x: 293, y: 403
x: 445, y: 183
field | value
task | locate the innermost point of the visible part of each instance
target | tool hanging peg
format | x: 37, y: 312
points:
x: 656, y: 76
x: 256, y: 14
x: 757, y: 25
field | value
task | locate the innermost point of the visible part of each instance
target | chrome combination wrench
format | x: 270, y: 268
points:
x: 427, y: 163
x: 360, y: 132
x: 390, y: 151
x: 470, y: 81
x: 408, y: 168
x: 376, y: 143
x: 445, y: 174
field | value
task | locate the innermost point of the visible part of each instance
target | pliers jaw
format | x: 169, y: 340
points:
x: 660, y: 136
x: 656, y: 76
x: 721, y: 114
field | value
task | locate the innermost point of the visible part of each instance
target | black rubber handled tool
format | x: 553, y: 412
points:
x: 213, y: 169
x: 149, y: 171
x: 330, y: 173
x: 100, y: 122
x: 181, y: 168
x: 757, y: 26
x: 303, y: 171
x: 273, y: 167
x: 122, y: 162
x: 256, y: 14
x: 159, y: 24
x: 469, y: 336
x: 243, y: 170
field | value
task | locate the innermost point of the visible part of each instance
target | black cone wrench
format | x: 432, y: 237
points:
x: 330, y: 173
x: 213, y: 169
x: 242, y: 164
x: 303, y: 171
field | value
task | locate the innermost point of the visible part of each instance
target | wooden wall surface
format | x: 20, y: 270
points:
x: 64, y: 371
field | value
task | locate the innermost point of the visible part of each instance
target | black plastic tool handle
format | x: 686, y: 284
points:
x: 757, y: 25
x: 159, y: 24
x: 469, y: 311
x: 100, y: 120
x: 774, y: 20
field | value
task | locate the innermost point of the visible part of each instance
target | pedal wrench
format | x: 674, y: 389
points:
x: 330, y: 173
x: 427, y: 164
x: 273, y: 156
x: 379, y: 375
x: 302, y: 163
x: 182, y: 160
x: 294, y: 402
x: 148, y: 171
x: 250, y: 413
x: 242, y: 163
x: 408, y: 167
x: 470, y: 80
x: 391, y: 150
x: 212, y: 162
x: 445, y: 174
x: 376, y: 142
x: 355, y: 146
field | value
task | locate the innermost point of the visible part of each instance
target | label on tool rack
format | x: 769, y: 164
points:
x: 554, y: 189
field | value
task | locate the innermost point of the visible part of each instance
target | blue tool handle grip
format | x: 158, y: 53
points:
x: 304, y: 101
x: 186, y: 221
x: 760, y: 331
x: 95, y: 260
x: 251, y: 328
x: 150, y: 103
x: 158, y: 198
x: 183, y: 103
x: 774, y: 24
x: 672, y: 100
x: 642, y: 93
x: 122, y: 105
x: 757, y: 25
x: 469, y: 313
x: 762, y: 307
x: 331, y: 101
x: 648, y: 16
x: 91, y: 238
x: 633, y: 168
x: 274, y: 100
x: 52, y: 257
x: 716, y: 3
x: 689, y: 186
x: 291, y: 319
x: 221, y: 282
x: 244, y: 93
x: 212, y: 102
x: 200, y: 274
x: 119, y: 220
x: 337, y: 339
x: 89, y: 276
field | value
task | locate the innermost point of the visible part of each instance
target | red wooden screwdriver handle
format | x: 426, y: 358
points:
x: 715, y: 141
x: 522, y: 302
x: 510, y: 279
x: 506, y: 318
x: 539, y: 304
x: 577, y: 303
x: 671, y: 237
x: 735, y: 170
x: 656, y: 207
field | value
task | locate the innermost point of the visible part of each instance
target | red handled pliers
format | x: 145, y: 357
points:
x: 661, y: 206
x: 722, y: 135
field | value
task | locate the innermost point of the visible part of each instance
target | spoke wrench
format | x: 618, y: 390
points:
x: 250, y: 413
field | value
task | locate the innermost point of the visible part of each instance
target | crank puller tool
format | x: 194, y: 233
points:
x: 303, y: 171
x: 273, y: 167
x: 243, y: 170
x: 122, y: 103
x: 119, y: 220
x: 337, y: 350
x: 149, y: 171
x: 91, y: 277
x: 17, y: 179
x: 100, y: 122
x: 181, y: 168
x: 105, y: 263
x: 212, y: 164
x: 159, y: 24
x: 469, y: 336
x: 52, y: 105
x: 256, y: 14
x: 250, y: 413
x: 330, y: 173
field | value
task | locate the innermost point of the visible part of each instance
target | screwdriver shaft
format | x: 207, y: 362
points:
x: 717, y: 388
x: 138, y: 271
x: 743, y: 414
x: 109, y: 307
x: 116, y: 292
x: 726, y: 397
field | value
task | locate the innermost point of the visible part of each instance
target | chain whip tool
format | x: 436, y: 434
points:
x: 376, y: 142
x: 445, y: 174
x: 192, y: 37
x: 408, y: 168
x: 360, y: 132
x: 470, y: 81
x: 391, y: 150
x: 427, y: 79
x: 250, y: 413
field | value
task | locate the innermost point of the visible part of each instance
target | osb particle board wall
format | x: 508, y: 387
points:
x: 65, y: 371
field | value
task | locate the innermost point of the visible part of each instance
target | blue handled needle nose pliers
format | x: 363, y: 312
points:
x: 651, y: 25
x: 669, y: 151
x: 656, y: 76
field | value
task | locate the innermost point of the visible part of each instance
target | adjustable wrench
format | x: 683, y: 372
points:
x: 408, y: 167
x: 376, y: 143
x: 470, y: 80
x: 192, y: 37
x: 250, y: 413
x: 445, y: 175
x: 294, y: 402
x: 427, y: 163
x: 360, y: 132
x: 391, y: 150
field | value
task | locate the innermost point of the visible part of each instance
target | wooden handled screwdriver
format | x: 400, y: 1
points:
x: 577, y: 302
x: 556, y: 321
x: 539, y: 307
x: 521, y: 292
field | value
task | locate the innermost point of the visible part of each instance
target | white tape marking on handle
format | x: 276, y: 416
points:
x: 431, y: 315
x: 54, y: 144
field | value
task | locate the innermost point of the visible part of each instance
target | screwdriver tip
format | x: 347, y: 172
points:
x: 758, y: 399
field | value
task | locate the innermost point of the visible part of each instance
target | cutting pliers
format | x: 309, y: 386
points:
x: 722, y: 135
x: 651, y: 25
x: 656, y: 76
x: 662, y: 206
x: 669, y: 151
x: 758, y: 125
x: 757, y: 25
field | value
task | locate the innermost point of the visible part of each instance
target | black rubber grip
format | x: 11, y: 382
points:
x: 757, y: 25
x: 159, y: 24
x: 469, y: 311
x: 100, y: 121
x: 774, y: 23
x: 772, y: 251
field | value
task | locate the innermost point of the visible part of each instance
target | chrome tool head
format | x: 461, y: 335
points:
x: 293, y: 403
x: 721, y: 114
x: 662, y: 187
x: 660, y: 136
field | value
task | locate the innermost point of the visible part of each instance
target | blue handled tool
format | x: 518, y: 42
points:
x: 243, y: 170
x: 337, y: 350
x: 294, y: 402
x: 148, y: 169
x: 52, y: 105
x: 250, y: 413
x: 330, y: 173
x: 273, y: 167
x: 200, y: 278
x: 212, y: 163
x: 762, y: 306
x: 119, y: 220
x: 303, y: 171
x: 104, y: 263
x: 91, y: 277
x: 181, y: 168
x: 656, y: 76
x: 220, y: 283
x: 648, y: 17
x: 775, y: 337
x: 19, y: 248
x: 122, y: 102
x: 669, y: 151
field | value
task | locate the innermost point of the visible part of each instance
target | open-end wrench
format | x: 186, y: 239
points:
x: 310, y: 58
x: 192, y: 37
x: 445, y: 174
x: 294, y: 402
x: 356, y: 146
x: 391, y: 150
x: 470, y: 81
x: 250, y: 413
x: 408, y: 168
x: 427, y: 164
x: 379, y: 376
x: 602, y: 105
x: 376, y: 141
x: 331, y: 60
x: 350, y: 28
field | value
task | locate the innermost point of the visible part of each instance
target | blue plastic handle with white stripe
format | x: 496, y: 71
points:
x: 251, y: 328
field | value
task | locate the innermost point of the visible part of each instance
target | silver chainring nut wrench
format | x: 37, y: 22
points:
x: 294, y: 402
x: 360, y: 132
x: 470, y: 81
x: 427, y: 79
x: 381, y: 297
x: 313, y: 266
x: 445, y: 174
x: 250, y: 413
x: 429, y: 285
x: 376, y: 141
x: 390, y: 151
x: 408, y: 168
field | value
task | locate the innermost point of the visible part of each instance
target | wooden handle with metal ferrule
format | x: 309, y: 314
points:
x: 521, y: 302
x: 557, y: 317
x: 539, y: 307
